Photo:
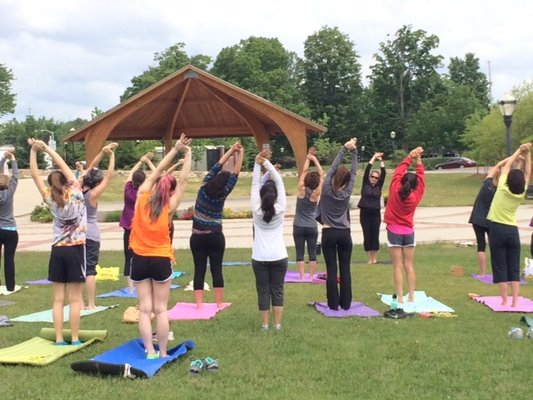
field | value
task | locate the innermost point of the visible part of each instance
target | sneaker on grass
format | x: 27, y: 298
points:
x: 196, y: 367
x: 211, y: 364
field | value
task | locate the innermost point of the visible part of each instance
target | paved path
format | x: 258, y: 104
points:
x: 433, y: 224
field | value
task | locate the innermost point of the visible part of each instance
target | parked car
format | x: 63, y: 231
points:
x: 456, y: 162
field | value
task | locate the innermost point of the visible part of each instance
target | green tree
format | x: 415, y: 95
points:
x: 262, y: 66
x: 466, y: 72
x: 331, y: 82
x: 403, y: 77
x: 485, y: 134
x: 167, y: 62
x: 7, y: 98
x: 440, y: 121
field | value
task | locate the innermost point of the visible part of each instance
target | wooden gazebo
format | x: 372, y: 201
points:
x: 200, y: 105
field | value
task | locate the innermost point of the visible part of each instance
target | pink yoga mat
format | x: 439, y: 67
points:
x: 494, y: 303
x: 188, y: 311
x: 356, y: 309
x: 488, y: 279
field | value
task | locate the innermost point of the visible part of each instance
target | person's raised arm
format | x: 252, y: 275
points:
x: 527, y: 167
x: 301, y: 179
x: 34, y: 168
x: 163, y: 165
x: 136, y: 167
x: 280, y: 187
x: 96, y: 160
x: 510, y: 160
x: 238, y: 160
x: 99, y: 189
x: 57, y: 160
x: 175, y: 199
x: 225, y: 157
x: 13, y: 182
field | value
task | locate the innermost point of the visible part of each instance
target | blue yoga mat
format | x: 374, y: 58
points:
x: 125, y: 292
x: 129, y: 360
x: 422, y: 303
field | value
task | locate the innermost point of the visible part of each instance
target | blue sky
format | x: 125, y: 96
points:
x: 69, y: 56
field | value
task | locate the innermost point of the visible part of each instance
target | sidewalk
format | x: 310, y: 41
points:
x: 433, y: 224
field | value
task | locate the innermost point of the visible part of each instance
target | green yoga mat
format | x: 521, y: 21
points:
x: 42, y: 350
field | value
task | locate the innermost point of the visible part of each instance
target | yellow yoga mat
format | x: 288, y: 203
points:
x: 42, y: 350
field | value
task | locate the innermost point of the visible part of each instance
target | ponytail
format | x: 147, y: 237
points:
x: 161, y: 195
x: 409, y: 182
x: 57, y: 182
x: 269, y: 195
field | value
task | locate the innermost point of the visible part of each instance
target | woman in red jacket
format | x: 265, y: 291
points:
x: 405, y: 192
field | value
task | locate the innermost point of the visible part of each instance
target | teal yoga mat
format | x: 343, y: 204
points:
x: 46, y: 316
x: 422, y: 303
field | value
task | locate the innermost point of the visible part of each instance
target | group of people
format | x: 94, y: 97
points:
x: 494, y: 216
x: 151, y: 200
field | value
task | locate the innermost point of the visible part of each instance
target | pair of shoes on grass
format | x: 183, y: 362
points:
x: 517, y: 333
x: 264, y: 327
x: 207, y: 364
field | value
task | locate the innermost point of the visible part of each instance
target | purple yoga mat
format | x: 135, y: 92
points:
x: 357, y: 309
x: 294, y: 277
x: 488, y: 279
x: 39, y: 282
x: 494, y: 303
x: 188, y: 311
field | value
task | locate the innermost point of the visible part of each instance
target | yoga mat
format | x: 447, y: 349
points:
x: 317, y: 278
x: 5, y: 292
x: 42, y: 350
x: 107, y: 273
x: 125, y: 292
x: 188, y: 311
x: 39, y: 282
x: 46, y: 316
x: 527, y: 320
x: 422, y: 303
x: 356, y: 309
x: 494, y: 303
x: 294, y: 277
x: 177, y: 274
x: 488, y: 279
x: 6, y: 303
x: 129, y: 360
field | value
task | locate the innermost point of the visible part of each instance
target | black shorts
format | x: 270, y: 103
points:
x: 92, y: 251
x: 159, y: 269
x: 67, y: 264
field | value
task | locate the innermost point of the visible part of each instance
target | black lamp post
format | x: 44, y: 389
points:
x: 507, y: 105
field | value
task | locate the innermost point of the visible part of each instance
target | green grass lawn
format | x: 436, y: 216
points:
x: 313, y: 357
x: 442, y: 189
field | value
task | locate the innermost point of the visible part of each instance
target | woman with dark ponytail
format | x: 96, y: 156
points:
x: 334, y: 214
x: 405, y: 192
x: 207, y: 241
x: 269, y: 254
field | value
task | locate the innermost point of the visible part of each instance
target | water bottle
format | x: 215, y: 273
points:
x: 394, y: 302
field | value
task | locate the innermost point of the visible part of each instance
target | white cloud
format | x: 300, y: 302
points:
x: 71, y: 56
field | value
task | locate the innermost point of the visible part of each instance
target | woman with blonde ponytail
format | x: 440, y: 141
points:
x: 405, y: 192
x: 158, y: 198
x: 66, y: 268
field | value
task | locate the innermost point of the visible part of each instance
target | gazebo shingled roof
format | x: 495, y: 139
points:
x: 200, y: 105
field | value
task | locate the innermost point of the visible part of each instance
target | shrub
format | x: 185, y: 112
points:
x: 41, y: 213
x: 112, y: 216
x: 230, y: 214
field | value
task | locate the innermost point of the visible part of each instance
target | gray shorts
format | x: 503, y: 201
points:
x: 397, y: 240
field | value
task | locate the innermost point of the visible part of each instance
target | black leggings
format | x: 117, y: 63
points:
x: 303, y: 235
x: 338, y: 243
x: 504, y: 242
x: 128, y: 253
x: 480, y: 232
x: 370, y: 222
x: 9, y: 239
x: 204, y: 246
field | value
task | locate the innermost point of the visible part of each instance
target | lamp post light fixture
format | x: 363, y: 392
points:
x: 52, y: 145
x: 392, y: 136
x: 507, y: 106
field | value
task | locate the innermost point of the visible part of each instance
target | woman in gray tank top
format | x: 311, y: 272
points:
x: 305, y: 228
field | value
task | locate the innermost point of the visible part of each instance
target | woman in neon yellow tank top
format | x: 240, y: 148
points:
x: 504, y: 240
